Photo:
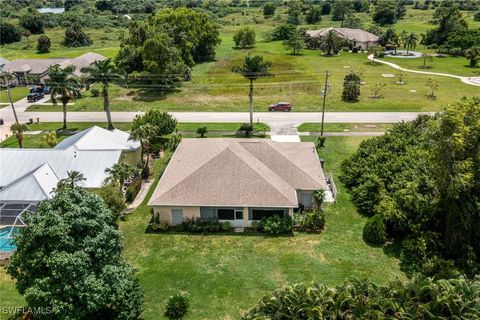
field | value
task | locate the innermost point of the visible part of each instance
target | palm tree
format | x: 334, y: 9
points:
x: 120, y: 172
x: 411, y: 41
x: 103, y: 72
x: 63, y: 84
x: 7, y: 78
x: 18, y: 130
x: 253, y: 68
x: 73, y: 179
x: 144, y: 135
x: 330, y: 41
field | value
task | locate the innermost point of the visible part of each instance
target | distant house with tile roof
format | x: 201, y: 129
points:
x: 237, y: 180
x: 38, y: 68
x: 357, y: 38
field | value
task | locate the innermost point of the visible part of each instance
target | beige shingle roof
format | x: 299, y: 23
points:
x: 40, y: 66
x: 347, y: 33
x: 239, y: 172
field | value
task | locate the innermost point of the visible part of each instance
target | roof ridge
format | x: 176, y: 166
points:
x: 181, y: 180
x: 265, y: 167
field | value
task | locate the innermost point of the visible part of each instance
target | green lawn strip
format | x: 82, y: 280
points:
x: 226, y: 274
x: 344, y: 127
x: 17, y: 93
x: 451, y: 65
x: 217, y: 126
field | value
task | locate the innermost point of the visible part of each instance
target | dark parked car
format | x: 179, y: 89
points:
x: 32, y: 97
x: 36, y: 89
x: 47, y: 90
x: 281, y: 106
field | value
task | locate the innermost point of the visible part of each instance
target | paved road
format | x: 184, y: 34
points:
x: 276, y: 119
x: 473, y: 81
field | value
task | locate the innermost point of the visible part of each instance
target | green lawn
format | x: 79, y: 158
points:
x: 226, y: 274
x: 340, y: 127
x: 453, y: 65
x: 17, y: 94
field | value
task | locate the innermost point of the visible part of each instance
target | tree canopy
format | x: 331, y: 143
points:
x: 68, y: 258
x: 423, y: 179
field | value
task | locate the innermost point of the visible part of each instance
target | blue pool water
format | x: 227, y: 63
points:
x: 6, y: 243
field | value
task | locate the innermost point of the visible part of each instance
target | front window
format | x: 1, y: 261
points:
x: 226, y: 214
x: 259, y: 214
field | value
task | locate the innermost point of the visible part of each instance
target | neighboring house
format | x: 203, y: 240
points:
x: 38, y: 68
x: 30, y: 175
x: 237, y: 180
x: 3, y: 61
x: 357, y: 38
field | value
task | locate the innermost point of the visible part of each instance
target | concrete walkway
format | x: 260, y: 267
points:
x: 473, y: 81
x: 140, y: 196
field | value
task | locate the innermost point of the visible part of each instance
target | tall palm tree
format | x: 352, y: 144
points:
x: 253, y: 68
x: 121, y: 172
x: 411, y: 41
x: 64, y: 85
x: 144, y: 135
x: 330, y: 41
x: 7, y: 78
x: 18, y: 130
x: 103, y: 72
x: 73, y: 179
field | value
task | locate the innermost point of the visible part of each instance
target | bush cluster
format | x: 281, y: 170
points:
x: 361, y: 299
x: 197, y: 225
x: 374, y: 230
x: 133, y: 189
x: 276, y: 225
x: 160, y: 226
x: 313, y: 221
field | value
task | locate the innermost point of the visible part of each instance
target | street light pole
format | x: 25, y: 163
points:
x: 327, y: 74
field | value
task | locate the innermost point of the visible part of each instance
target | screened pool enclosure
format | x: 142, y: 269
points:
x: 12, y: 218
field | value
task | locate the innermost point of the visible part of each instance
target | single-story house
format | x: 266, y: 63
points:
x: 237, y: 180
x: 30, y: 175
x: 357, y: 38
x: 38, y: 68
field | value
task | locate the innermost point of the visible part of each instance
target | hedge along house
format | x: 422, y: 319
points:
x: 237, y: 180
x: 356, y: 38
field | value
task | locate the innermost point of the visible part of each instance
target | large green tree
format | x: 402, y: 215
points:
x: 9, y: 33
x: 448, y: 19
x: 68, y: 260
x: 32, y: 22
x: 104, y: 72
x: 253, y: 67
x: 64, y: 87
x: 423, y: 179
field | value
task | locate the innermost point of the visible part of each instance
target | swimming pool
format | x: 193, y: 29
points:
x: 6, y: 241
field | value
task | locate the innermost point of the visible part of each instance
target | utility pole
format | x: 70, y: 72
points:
x: 327, y: 74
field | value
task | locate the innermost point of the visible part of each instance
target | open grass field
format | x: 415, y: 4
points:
x: 453, y: 65
x: 341, y: 127
x: 226, y: 274
x: 17, y: 94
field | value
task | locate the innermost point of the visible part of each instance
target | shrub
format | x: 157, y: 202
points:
x: 351, y: 87
x: 374, y: 231
x: 244, y: 38
x: 282, y: 32
x: 76, y: 37
x: 160, y: 227
x: 177, y: 307
x: 313, y: 221
x: 276, y: 225
x: 202, y: 131
x: 9, y: 33
x: 95, y: 92
x: 247, y: 129
x: 476, y: 17
x: 319, y: 197
x: 43, y: 44
x: 321, y: 141
x: 269, y: 9
x: 113, y: 198
x: 197, y: 225
x: 133, y: 189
